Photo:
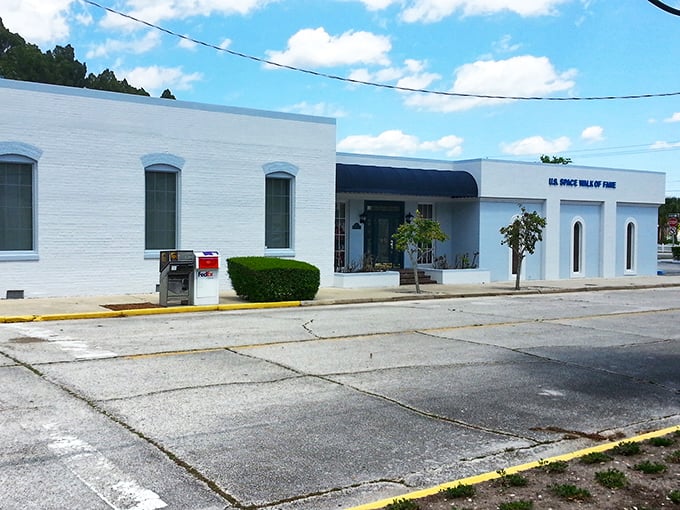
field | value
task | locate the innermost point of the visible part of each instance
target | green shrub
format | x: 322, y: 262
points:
x: 627, y: 448
x: 650, y: 468
x: 595, y: 458
x: 674, y: 496
x: 661, y: 441
x: 612, y: 478
x: 570, y: 492
x: 517, y: 505
x: 674, y: 457
x: 402, y: 504
x: 676, y: 252
x: 262, y: 279
x: 459, y: 491
x: 556, y: 466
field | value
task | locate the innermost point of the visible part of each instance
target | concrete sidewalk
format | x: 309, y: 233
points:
x: 63, y: 308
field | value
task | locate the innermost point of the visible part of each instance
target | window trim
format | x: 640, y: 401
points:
x: 286, y: 171
x: 167, y: 163
x: 23, y: 153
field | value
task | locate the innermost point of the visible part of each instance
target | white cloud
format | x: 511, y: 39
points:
x: 521, y: 76
x: 673, y: 118
x: 536, y: 145
x: 135, y: 46
x: 429, y: 11
x: 504, y: 45
x: 411, y: 75
x: 377, y: 5
x: 593, y: 134
x: 318, y: 109
x: 664, y: 145
x: 316, y: 48
x: 187, y: 44
x: 394, y: 142
x: 155, y: 79
x: 154, y: 11
x: 38, y: 21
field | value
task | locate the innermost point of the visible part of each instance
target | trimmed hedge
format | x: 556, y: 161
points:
x: 676, y: 252
x: 268, y: 279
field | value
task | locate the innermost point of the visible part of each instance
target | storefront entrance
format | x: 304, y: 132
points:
x: 382, y: 220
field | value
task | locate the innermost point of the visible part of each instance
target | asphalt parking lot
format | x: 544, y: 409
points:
x: 324, y: 407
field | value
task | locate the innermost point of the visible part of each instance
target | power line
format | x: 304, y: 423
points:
x: 371, y: 83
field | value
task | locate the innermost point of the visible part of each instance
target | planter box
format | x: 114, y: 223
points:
x: 459, y: 276
x: 367, y: 280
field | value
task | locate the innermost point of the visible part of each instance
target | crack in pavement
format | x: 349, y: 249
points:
x: 170, y: 455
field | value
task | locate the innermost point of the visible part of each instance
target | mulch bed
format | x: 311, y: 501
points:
x: 131, y: 306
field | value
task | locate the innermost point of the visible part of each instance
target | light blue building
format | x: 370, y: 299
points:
x: 601, y: 222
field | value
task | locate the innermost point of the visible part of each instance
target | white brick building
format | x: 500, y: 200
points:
x: 93, y: 184
x: 89, y: 162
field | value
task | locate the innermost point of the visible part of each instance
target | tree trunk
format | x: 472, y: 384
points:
x: 414, y: 263
x: 519, y: 270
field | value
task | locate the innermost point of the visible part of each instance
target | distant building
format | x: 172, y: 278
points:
x: 94, y: 184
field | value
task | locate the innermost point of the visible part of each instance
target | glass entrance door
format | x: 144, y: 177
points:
x: 382, y: 220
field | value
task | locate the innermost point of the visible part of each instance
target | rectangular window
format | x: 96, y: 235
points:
x: 161, y: 210
x: 16, y: 207
x: 277, y: 213
x: 427, y: 254
x: 340, y: 235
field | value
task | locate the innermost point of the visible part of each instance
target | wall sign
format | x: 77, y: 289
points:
x: 581, y: 183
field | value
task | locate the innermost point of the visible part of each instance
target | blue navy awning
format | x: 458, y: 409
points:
x: 404, y: 181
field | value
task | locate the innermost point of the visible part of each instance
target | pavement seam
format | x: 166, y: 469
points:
x: 174, y: 458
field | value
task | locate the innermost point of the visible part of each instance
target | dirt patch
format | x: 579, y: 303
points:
x: 131, y: 306
x: 640, y: 491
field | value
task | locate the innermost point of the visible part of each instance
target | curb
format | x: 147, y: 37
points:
x: 322, y: 302
x: 485, y: 477
x: 146, y: 311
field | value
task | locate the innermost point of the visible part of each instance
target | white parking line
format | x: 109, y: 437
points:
x: 113, y: 486
x: 78, y: 349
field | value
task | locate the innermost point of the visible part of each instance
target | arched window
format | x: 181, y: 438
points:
x: 161, y: 213
x: 278, y: 205
x: 18, y: 207
x: 631, y: 247
x: 577, y: 247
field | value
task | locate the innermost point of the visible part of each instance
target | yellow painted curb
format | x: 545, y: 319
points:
x: 252, y: 306
x: 77, y: 315
x: 485, y: 477
x: 134, y: 312
x: 17, y: 318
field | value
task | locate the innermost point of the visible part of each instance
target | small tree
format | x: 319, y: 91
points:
x: 521, y: 237
x: 416, y: 238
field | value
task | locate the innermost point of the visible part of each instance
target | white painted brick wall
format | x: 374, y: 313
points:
x: 91, y: 184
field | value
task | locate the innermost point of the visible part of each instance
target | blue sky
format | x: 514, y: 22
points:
x: 546, y: 48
